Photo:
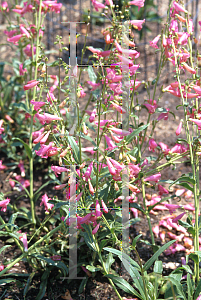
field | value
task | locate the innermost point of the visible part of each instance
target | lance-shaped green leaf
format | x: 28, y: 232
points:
x: 124, y: 285
x: 131, y: 136
x: 184, y: 181
x: 88, y: 237
x: 148, y: 264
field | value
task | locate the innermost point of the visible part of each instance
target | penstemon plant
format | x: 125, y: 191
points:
x: 117, y: 169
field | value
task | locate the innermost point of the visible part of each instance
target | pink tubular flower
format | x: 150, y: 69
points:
x: 28, y: 50
x: 133, y: 188
x: 178, y: 131
x: 87, y: 174
x: 1, y: 126
x: 4, y: 6
x: 119, y: 131
x: 30, y: 84
x: 98, y: 211
x: 110, y: 143
x: 4, y: 203
x: 57, y: 170
x: 60, y: 187
x: 172, y: 207
x: 94, y: 85
x: 155, y: 41
x: 1, y: 267
x: 47, y: 150
x: 197, y: 122
x: 156, y: 230
x: 118, y: 108
x: 23, y: 238
x: 105, y: 209
x: 175, y: 220
x: 37, y: 105
x: 163, y: 115
x: 109, y: 2
x: 46, y: 118
x: 110, y: 167
x: 151, y: 108
x: 189, y: 69
x: 2, y: 167
x: 91, y: 189
x: 162, y: 236
x: 152, y: 145
x: 179, y: 7
x: 45, y: 199
x: 24, y: 31
x: 154, y: 178
x: 139, y: 3
x: 21, y: 166
x: 97, y: 5
x: 189, y: 207
x: 89, y: 149
x: 162, y: 190
x: 95, y: 229
x: 15, y: 39
x: 21, y: 70
x: 137, y: 24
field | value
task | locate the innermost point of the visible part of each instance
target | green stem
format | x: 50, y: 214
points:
x: 30, y: 249
x: 105, y: 270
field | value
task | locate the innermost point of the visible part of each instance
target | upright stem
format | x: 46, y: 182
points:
x: 38, y: 25
x: 103, y: 264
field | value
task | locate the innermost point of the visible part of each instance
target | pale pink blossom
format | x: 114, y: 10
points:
x: 179, y: 192
x: 37, y: 105
x: 15, y: 39
x: 154, y: 178
x: 95, y: 229
x: 162, y: 236
x: 162, y: 190
x: 1, y: 267
x: 57, y: 170
x: 30, y: 84
x: 155, y: 41
x: 105, y: 209
x: 60, y: 187
x: 97, y: 5
x: 179, y: 7
x: 197, y: 122
x: 178, y: 131
x: 91, y: 189
x: 2, y: 167
x: 139, y: 3
x: 110, y: 143
x: 175, y: 220
x: 4, y: 6
x: 87, y: 174
x: 137, y: 24
x: 152, y: 145
x: 172, y: 207
x: 21, y: 70
x: 163, y: 115
x: 98, y: 210
x: 24, y: 31
x: 28, y: 50
x: 23, y: 238
x: 4, y: 203
x: 156, y: 230
x: 45, y: 199
x: 21, y: 166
